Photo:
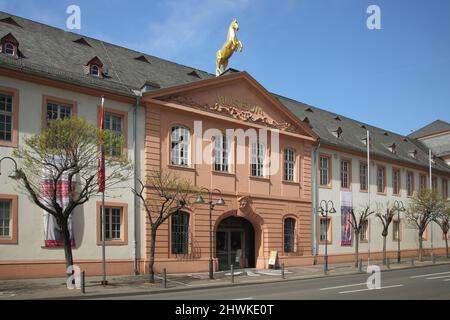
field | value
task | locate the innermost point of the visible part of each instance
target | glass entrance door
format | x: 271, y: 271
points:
x: 229, y: 249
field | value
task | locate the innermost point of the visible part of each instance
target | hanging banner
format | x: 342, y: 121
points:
x: 346, y: 218
x: 53, y: 236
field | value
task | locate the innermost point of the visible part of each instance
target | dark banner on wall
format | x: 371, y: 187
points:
x: 346, y: 216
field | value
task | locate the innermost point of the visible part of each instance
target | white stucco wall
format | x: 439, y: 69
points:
x: 361, y: 199
x: 30, y: 244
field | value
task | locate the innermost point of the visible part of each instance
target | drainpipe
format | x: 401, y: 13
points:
x: 315, y: 199
x: 135, y: 176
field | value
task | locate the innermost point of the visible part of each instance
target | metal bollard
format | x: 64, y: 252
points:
x: 433, y: 258
x: 282, y: 271
x: 388, y: 262
x: 164, y: 278
x: 360, y: 265
x: 83, y: 282
x: 232, y: 273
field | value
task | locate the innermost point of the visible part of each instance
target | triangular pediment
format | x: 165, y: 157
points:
x: 236, y: 96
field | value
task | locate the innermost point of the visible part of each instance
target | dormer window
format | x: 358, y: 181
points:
x: 95, y: 68
x: 338, y: 133
x: 9, y: 45
x: 392, y: 148
x: 413, y: 154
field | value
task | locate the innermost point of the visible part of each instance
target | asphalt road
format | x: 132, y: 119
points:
x: 419, y: 283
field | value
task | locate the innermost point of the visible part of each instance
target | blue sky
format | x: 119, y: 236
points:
x: 316, y: 51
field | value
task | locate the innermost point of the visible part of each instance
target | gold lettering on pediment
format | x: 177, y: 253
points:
x: 237, y: 109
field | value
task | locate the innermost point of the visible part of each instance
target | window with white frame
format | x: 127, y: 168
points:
x: 113, y: 223
x: 345, y: 174
x: 257, y: 164
x: 222, y: 153
x: 364, y: 230
x: 5, y: 218
x: 289, y: 165
x: 396, y: 180
x: 180, y: 146
x: 114, y: 123
x: 9, y: 48
x: 6, y: 117
x: 324, y: 169
x: 289, y: 235
x: 395, y: 230
x: 324, y: 225
x: 363, y: 176
x: 57, y: 111
x: 423, y: 182
x: 410, y: 183
x: 381, y: 179
x: 94, y: 70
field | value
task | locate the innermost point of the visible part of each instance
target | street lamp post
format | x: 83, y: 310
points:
x: 211, y: 205
x: 325, y: 208
x: 15, y: 173
x: 398, y: 205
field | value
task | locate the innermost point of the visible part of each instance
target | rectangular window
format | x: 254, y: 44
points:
x: 222, y: 153
x: 363, y: 176
x: 396, y: 181
x: 444, y: 188
x: 325, y: 227
x: 180, y: 146
x: 289, y: 164
x: 113, y: 223
x: 410, y: 183
x: 5, y: 218
x: 114, y: 123
x: 395, y: 230
x: 345, y: 174
x: 364, y: 231
x: 434, y: 182
x: 257, y: 165
x: 325, y: 170
x: 57, y: 111
x: 180, y: 233
x: 289, y: 235
x: 381, y: 179
x: 423, y: 182
x: 6, y: 117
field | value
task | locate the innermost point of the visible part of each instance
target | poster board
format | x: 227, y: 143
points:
x: 273, y: 258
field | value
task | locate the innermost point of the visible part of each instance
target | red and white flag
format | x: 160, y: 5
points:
x: 101, y: 160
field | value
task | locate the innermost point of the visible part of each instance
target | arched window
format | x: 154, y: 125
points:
x: 257, y: 164
x: 180, y: 146
x: 289, y: 164
x: 95, y: 70
x: 289, y: 235
x: 180, y: 232
x: 9, y: 48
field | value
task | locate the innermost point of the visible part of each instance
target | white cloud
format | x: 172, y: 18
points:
x: 189, y: 24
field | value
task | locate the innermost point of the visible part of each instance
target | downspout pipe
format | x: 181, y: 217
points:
x: 135, y: 177
x: 315, y: 199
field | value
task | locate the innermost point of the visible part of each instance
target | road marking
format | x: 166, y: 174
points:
x: 440, y: 277
x: 249, y: 298
x: 346, y: 286
x: 395, y: 286
x: 429, y: 274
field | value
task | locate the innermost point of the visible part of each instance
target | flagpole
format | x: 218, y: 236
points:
x: 368, y: 194
x: 102, y: 155
x: 431, y: 189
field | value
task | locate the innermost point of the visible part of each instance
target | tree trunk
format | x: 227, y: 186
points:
x: 356, y: 249
x: 446, y: 244
x: 420, y: 247
x: 384, y: 250
x: 67, y: 244
x: 152, y: 254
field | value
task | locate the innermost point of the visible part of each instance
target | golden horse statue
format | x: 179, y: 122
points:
x: 231, y: 45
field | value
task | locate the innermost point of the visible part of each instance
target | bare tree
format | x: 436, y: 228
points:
x: 443, y: 220
x: 386, y: 217
x: 66, y: 155
x: 162, y: 195
x: 423, y: 208
x: 358, y: 222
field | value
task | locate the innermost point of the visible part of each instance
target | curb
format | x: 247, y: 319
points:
x: 224, y: 285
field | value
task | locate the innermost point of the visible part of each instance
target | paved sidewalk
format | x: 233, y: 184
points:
x: 56, y: 288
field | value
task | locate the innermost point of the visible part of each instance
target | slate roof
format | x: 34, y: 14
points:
x: 437, y: 126
x: 52, y: 53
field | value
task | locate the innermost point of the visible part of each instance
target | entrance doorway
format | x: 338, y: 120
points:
x: 235, y: 244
